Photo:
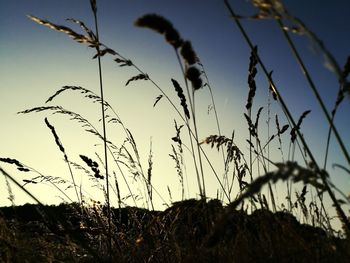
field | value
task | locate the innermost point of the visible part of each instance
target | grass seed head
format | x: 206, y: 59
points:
x: 182, y: 97
x: 188, y: 53
x: 193, y: 75
x: 162, y: 26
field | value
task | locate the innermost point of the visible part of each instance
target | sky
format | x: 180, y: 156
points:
x: 37, y: 61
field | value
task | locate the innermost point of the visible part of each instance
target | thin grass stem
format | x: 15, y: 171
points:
x: 314, y: 90
x: 191, y: 102
x: 94, y: 9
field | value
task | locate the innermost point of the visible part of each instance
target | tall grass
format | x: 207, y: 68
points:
x: 251, y: 174
x: 274, y: 9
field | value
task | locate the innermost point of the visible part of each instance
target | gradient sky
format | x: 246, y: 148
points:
x: 36, y: 61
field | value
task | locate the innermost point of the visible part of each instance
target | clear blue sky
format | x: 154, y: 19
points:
x: 36, y: 61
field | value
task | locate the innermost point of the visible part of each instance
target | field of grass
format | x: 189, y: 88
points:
x: 244, y: 222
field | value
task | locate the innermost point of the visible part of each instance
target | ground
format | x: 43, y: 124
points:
x: 188, y: 231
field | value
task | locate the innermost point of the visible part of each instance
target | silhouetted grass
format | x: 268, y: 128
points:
x: 246, y: 225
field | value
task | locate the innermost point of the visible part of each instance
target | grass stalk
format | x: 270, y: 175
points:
x: 94, y: 9
x: 60, y: 146
x: 314, y: 90
x: 201, y: 185
x: 341, y: 75
x: 214, y: 106
x: 225, y: 177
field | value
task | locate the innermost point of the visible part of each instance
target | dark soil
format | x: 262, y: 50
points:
x: 189, y: 231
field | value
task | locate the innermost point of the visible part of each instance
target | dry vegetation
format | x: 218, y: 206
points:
x: 249, y: 227
x: 189, y: 231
